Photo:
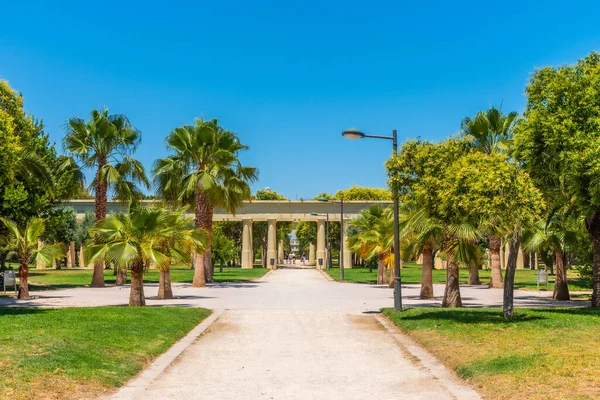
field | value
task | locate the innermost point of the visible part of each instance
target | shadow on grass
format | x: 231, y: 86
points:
x: 463, y: 316
x: 12, y: 311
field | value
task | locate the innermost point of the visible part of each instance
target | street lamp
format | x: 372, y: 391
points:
x: 326, y: 215
x: 341, y: 201
x: 354, y: 133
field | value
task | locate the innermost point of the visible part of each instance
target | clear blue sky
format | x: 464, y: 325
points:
x: 288, y: 76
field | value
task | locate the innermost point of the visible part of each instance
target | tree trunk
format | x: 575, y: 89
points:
x: 391, y: 278
x: 165, y: 292
x: 427, y: 274
x: 509, y: 279
x: 561, y: 287
x: 98, y: 276
x: 593, y: 228
x: 496, y: 273
x: 24, y: 278
x: 121, y: 276
x: 452, y: 292
x: 381, y: 276
x: 3, y: 256
x: 474, y: 276
x: 136, y: 294
x: 203, y: 268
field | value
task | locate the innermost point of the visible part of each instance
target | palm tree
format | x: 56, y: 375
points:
x: 424, y: 234
x: 25, y: 243
x: 460, y: 246
x: 491, y: 132
x: 205, y: 172
x: 106, y: 143
x: 372, y: 235
x: 558, y: 234
x: 142, y: 237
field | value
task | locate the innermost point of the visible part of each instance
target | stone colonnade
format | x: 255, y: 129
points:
x: 316, y: 255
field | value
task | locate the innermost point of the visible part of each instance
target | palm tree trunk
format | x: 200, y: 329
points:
x: 24, y: 278
x: 496, y: 273
x: 452, y: 292
x: 121, y: 276
x: 100, y: 202
x: 391, y: 278
x: 593, y: 228
x: 165, y: 292
x: 136, y: 294
x: 203, y: 271
x: 474, y: 276
x: 381, y: 277
x: 561, y: 287
x: 427, y: 274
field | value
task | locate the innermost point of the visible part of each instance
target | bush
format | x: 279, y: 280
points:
x: 586, y: 274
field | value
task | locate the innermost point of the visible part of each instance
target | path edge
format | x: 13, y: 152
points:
x: 458, y: 388
x: 138, y: 384
x: 326, y: 275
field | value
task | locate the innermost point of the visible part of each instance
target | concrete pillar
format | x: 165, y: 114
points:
x: 40, y: 264
x: 82, y: 257
x: 251, y: 246
x: 520, y: 259
x: 311, y: 255
x: 346, y: 250
x: 280, y: 253
x: 71, y: 255
x: 321, y: 243
x: 247, y: 243
x: 272, y: 243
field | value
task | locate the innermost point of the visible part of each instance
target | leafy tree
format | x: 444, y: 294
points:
x: 204, y: 172
x: 224, y: 248
x: 30, y: 177
x: 491, y: 132
x: 142, y: 237
x: 558, y: 141
x: 417, y: 174
x: 493, y: 195
x: 363, y: 193
x: 105, y: 142
x: 25, y: 243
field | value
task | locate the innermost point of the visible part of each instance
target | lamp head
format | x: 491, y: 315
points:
x: 353, y: 133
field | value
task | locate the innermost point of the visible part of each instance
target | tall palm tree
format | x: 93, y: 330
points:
x: 559, y: 234
x: 205, y: 172
x: 491, y: 132
x: 372, y: 235
x: 106, y: 143
x: 424, y: 234
x: 142, y: 237
x: 25, y: 243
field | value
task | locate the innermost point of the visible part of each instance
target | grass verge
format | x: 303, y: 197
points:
x: 540, y: 354
x: 73, y: 352
x: 411, y: 273
x: 44, y: 279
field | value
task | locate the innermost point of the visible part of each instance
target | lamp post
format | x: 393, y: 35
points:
x: 326, y: 215
x: 354, y: 133
x: 341, y: 201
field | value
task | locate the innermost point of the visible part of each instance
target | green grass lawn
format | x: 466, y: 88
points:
x: 43, y: 279
x: 411, y: 273
x: 72, y: 353
x: 540, y: 354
